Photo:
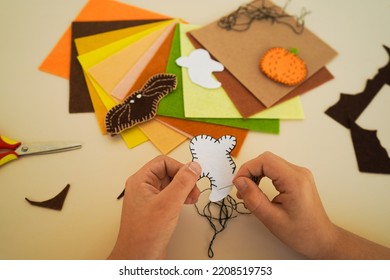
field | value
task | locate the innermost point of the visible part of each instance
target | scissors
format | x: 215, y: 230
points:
x: 14, y: 149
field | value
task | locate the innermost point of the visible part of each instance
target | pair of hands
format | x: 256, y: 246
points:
x: 156, y: 193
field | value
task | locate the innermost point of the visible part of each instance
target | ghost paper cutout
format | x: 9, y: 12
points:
x: 200, y: 67
x: 141, y: 105
x: 217, y: 164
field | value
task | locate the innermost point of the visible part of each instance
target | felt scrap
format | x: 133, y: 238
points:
x: 370, y: 154
x: 79, y: 98
x: 173, y: 106
x: 200, y: 68
x: 349, y: 107
x: 217, y: 164
x: 248, y: 105
x: 111, y: 70
x: 55, y: 203
x: 227, y: 47
x: 141, y: 105
x: 58, y: 60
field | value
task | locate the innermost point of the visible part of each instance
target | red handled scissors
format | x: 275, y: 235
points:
x: 11, y: 149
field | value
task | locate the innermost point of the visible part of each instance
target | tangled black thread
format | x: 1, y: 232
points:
x: 248, y: 13
x: 218, y: 214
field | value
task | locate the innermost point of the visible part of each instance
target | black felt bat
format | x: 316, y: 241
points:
x: 370, y: 154
x: 350, y: 106
x: 141, y: 105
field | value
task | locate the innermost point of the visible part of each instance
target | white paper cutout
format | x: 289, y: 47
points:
x: 200, y: 67
x: 217, y: 164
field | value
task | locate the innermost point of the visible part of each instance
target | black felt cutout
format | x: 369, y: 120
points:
x: 55, y: 203
x: 370, y: 154
x: 141, y: 105
x: 122, y: 194
x: 349, y: 107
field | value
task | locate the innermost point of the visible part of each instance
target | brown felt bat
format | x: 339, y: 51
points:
x: 141, y: 105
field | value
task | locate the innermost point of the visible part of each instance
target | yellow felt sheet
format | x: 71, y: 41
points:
x: 122, y: 89
x: 110, y: 71
x: 133, y: 136
x: 200, y: 102
x: 93, y: 42
x: 164, y: 138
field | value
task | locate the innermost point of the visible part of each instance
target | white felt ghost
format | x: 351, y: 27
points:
x: 200, y: 67
x: 217, y: 164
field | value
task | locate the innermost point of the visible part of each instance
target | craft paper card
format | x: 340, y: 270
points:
x: 109, y: 72
x: 173, y: 106
x: 214, y: 157
x: 123, y: 88
x: 246, y: 103
x: 58, y: 60
x: 79, y: 98
x: 203, y: 103
x: 227, y: 46
x: 193, y: 128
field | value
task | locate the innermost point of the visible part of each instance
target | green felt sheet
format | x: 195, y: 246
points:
x: 173, y: 105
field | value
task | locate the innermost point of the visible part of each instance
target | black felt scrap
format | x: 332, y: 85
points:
x: 55, y: 203
x: 371, y: 156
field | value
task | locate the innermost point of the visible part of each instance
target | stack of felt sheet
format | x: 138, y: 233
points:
x: 112, y: 49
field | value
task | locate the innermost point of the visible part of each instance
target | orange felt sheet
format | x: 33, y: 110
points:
x: 193, y: 128
x: 58, y: 60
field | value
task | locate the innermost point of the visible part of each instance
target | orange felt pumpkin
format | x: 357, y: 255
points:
x: 283, y: 66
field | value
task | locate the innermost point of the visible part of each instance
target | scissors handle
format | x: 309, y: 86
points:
x: 8, y: 144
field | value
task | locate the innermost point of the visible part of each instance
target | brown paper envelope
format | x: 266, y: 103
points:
x: 240, y: 53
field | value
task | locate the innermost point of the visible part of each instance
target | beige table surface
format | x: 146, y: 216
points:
x: 33, y: 107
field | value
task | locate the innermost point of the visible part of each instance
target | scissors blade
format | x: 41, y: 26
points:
x: 46, y: 148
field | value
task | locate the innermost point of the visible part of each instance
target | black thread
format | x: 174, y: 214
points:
x: 242, y: 18
x: 218, y: 214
